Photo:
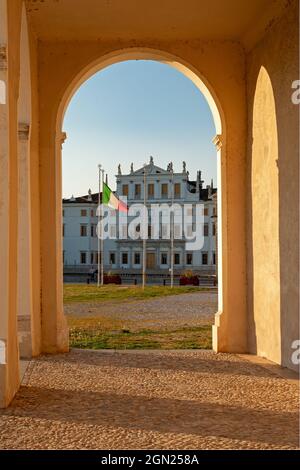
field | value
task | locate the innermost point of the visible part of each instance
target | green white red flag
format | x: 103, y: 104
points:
x: 110, y: 200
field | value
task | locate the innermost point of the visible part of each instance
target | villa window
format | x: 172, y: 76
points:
x: 124, y: 258
x: 125, y: 189
x: 151, y: 190
x: 124, y: 231
x: 164, y: 190
x: 176, y: 258
x: 189, y: 258
x: 205, y: 230
x: 177, y: 231
x: 112, y: 258
x: 113, y: 231
x: 137, y: 258
x: 137, y: 191
x: 189, y: 230
x: 204, y: 258
x: 177, y: 190
x: 83, y: 230
x: 83, y: 212
x: 164, y: 258
x: 164, y: 230
x: 83, y: 257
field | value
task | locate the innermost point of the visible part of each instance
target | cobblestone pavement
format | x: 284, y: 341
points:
x: 150, y: 400
x: 180, y: 310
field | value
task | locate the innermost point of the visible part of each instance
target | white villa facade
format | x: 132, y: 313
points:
x: 124, y: 256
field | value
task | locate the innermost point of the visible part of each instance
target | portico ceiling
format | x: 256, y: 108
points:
x: 243, y: 20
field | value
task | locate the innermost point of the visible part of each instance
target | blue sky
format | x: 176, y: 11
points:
x: 132, y: 110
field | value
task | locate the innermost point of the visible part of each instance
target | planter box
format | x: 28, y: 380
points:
x: 189, y: 281
x: 114, y: 279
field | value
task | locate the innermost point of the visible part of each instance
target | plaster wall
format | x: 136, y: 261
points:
x: 273, y: 191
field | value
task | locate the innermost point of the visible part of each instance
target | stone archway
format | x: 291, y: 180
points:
x: 228, y: 64
x: 229, y: 331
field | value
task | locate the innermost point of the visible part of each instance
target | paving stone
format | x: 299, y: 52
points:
x: 150, y: 400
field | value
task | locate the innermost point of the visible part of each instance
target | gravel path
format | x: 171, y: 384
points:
x: 150, y: 400
x: 181, y: 310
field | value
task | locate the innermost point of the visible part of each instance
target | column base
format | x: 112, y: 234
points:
x: 58, y: 343
x: 63, y: 345
x: 219, y: 334
x: 9, y: 384
x: 228, y: 337
x: 24, y: 336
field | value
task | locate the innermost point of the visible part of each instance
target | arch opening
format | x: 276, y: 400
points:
x: 144, y: 54
x: 191, y: 74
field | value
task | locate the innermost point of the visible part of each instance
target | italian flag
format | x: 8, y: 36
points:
x: 110, y: 200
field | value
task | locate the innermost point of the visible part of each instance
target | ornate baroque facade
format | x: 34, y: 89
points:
x: 124, y: 255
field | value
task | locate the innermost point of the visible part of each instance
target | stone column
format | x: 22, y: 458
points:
x: 230, y: 328
x: 55, y: 334
x: 9, y: 353
x: 24, y: 247
x: 219, y: 330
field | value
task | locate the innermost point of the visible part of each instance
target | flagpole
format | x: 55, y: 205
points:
x: 172, y: 229
x: 145, y: 232
x: 99, y: 216
x: 102, y: 237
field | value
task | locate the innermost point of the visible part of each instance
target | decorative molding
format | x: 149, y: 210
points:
x: 63, y: 137
x: 3, y: 57
x: 217, y: 141
x: 23, y: 131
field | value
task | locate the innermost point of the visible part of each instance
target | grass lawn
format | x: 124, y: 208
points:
x: 113, y: 332
x: 92, y: 293
x: 184, y: 338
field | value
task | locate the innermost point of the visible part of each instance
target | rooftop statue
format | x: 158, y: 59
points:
x: 170, y: 166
